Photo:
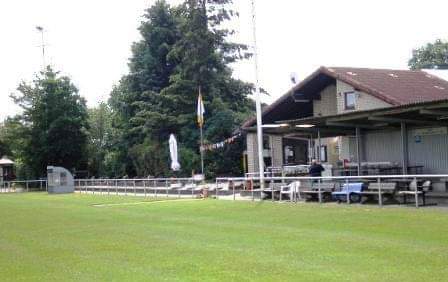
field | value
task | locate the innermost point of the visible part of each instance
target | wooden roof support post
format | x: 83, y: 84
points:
x: 358, y: 149
x: 404, y: 148
x: 319, y: 157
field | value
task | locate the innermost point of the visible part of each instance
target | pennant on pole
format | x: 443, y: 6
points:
x: 200, y: 110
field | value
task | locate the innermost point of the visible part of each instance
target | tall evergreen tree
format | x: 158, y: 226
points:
x: 183, y: 48
x: 55, y: 122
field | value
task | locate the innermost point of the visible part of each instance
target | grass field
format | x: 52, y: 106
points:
x: 66, y: 237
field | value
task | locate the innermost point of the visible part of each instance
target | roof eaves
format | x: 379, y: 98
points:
x: 285, y: 96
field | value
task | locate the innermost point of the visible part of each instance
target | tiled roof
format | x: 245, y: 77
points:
x: 398, y: 87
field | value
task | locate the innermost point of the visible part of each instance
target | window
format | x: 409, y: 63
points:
x: 350, y: 100
x: 323, y: 153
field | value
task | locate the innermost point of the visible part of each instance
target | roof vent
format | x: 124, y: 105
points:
x: 352, y: 73
x: 439, y: 87
x: 393, y: 75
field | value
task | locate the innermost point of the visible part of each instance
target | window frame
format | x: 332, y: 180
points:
x: 346, y: 105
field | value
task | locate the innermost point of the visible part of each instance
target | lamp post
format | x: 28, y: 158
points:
x: 258, y: 101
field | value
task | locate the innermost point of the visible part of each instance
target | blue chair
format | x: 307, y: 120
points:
x: 350, y: 189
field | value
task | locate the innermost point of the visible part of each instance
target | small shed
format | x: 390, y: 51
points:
x: 6, y: 169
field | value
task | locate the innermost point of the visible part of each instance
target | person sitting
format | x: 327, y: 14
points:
x: 316, y: 169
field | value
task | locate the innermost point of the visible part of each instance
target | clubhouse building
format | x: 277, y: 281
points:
x: 357, y: 121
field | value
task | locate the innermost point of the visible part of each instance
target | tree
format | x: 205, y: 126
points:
x: 100, y: 139
x: 202, y: 56
x: 134, y: 101
x: 14, y: 137
x: 431, y: 56
x: 183, y: 48
x: 55, y: 123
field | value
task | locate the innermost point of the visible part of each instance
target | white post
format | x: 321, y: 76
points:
x: 258, y: 102
x: 416, y: 192
x: 380, y: 197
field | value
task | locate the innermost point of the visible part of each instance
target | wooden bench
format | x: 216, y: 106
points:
x: 381, y: 190
x: 319, y: 191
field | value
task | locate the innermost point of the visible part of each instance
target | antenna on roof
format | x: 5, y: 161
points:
x: 294, y: 78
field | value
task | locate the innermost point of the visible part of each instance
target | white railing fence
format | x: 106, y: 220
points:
x: 381, y: 189
x: 154, y: 187
x: 23, y: 186
x: 387, y: 188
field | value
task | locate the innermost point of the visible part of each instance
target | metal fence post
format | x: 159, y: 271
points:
x: 116, y: 187
x: 192, y: 188
x: 416, y: 192
x: 155, y: 188
x: 252, y: 189
x: 347, y: 194
x: 144, y: 187
x: 233, y: 189
x: 217, y: 188
x: 27, y: 186
x: 380, y: 196
x: 272, y: 189
x: 319, y: 191
x: 166, y: 187
x: 135, y: 190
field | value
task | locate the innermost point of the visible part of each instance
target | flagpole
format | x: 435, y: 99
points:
x: 202, y: 149
x: 258, y: 101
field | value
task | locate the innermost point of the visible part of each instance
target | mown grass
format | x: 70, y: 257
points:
x: 65, y: 237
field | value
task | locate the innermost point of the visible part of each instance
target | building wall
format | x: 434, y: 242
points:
x: 430, y: 151
x: 276, y: 142
x: 252, y: 152
x: 364, y: 101
x: 276, y: 151
x: 327, y: 103
x: 382, y: 146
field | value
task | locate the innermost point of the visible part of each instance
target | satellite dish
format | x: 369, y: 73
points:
x: 294, y: 78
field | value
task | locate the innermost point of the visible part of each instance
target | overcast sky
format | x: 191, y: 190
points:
x: 90, y: 40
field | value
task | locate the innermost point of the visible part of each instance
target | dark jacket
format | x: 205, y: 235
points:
x: 316, y: 170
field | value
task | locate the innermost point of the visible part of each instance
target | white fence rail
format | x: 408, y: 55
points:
x: 384, y: 188
x: 381, y: 189
x: 23, y: 186
x: 155, y: 187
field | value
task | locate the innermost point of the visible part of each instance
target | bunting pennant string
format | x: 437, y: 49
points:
x: 219, y: 145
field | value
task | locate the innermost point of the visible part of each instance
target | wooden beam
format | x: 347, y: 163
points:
x: 411, y: 121
x: 434, y: 112
x: 325, y: 130
x: 354, y: 125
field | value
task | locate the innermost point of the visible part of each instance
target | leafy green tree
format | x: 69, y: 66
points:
x: 431, y: 56
x: 55, y: 123
x: 100, y: 139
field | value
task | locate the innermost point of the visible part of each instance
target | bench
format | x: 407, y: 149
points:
x: 416, y: 191
x: 319, y: 191
x: 350, y: 189
x: 381, y: 190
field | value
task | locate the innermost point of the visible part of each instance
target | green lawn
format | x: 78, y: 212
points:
x: 66, y: 237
